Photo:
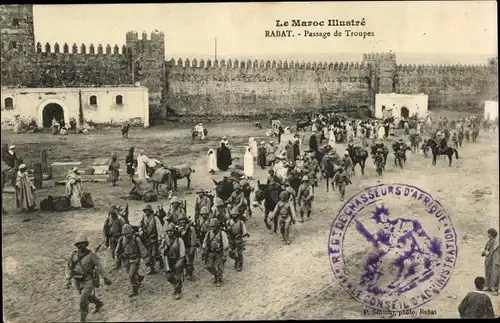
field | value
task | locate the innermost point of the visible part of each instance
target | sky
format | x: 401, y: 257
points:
x: 419, y: 32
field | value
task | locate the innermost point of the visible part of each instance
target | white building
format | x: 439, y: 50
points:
x: 400, y: 105
x: 490, y: 110
x: 98, y: 105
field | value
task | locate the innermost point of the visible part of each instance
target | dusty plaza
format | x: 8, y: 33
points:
x: 280, y: 163
x: 36, y: 246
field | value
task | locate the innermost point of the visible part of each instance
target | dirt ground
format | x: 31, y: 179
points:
x: 277, y: 281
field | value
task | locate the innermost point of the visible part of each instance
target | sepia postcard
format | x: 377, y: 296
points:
x: 250, y: 161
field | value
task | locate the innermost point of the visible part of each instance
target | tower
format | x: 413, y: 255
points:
x: 147, y: 58
x: 16, y: 28
x: 17, y: 43
x: 381, y: 73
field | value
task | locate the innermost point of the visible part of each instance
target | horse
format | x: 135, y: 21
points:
x: 195, y: 134
x: 436, y: 151
x: 358, y: 156
x: 124, y: 129
x: 257, y: 125
x: 270, y: 195
x: 475, y: 134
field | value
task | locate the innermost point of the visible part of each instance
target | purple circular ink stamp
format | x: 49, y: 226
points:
x: 392, y: 247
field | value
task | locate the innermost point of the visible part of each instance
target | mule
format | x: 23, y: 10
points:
x: 257, y: 125
x: 358, y: 156
x: 124, y: 129
x: 448, y: 151
x: 269, y: 194
x: 415, y: 140
x: 161, y: 176
x: 475, y: 134
x: 302, y: 124
x: 195, y: 134
x: 180, y: 172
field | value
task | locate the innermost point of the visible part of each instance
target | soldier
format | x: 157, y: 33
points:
x: 305, y: 197
x: 346, y: 162
x: 189, y: 237
x: 203, y: 223
x: 286, y: 214
x: 238, y: 201
x: 215, y: 248
x: 379, y: 161
x: 220, y: 211
x: 130, y: 250
x: 151, y: 232
x: 341, y: 180
x: 246, y: 188
x: 175, y: 211
x: 174, y: 253
x: 291, y: 191
x: 201, y: 201
x: 85, y: 268
x: 236, y: 232
x: 112, y: 232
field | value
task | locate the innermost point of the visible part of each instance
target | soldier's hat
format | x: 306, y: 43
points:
x: 204, y: 210
x: 174, y: 200
x: 379, y: 150
x: 200, y: 190
x: 219, y: 202
x: 170, y: 227
x: 305, y: 178
x: 234, y: 211
x: 214, y: 223
x: 346, y: 153
x: 127, y: 229
x: 148, y: 208
x: 284, y: 195
x: 81, y: 239
x: 182, y: 218
x: 237, y: 186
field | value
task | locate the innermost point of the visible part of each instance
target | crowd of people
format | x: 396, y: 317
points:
x: 168, y: 241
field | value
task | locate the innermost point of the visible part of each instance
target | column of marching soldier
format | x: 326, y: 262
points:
x: 220, y: 232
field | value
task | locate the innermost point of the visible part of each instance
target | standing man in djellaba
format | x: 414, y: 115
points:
x: 491, y: 256
x: 224, y: 159
x: 74, y: 188
x: 25, y: 191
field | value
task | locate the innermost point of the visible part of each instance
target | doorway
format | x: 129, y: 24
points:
x: 405, y: 113
x: 51, y: 111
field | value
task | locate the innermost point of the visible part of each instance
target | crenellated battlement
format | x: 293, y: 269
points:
x: 82, y: 49
x: 154, y: 36
x: 438, y: 68
x: 263, y: 64
x: 379, y: 56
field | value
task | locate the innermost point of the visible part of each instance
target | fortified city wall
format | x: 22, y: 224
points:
x: 233, y: 87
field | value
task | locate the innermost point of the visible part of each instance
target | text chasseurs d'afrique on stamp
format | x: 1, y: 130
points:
x: 330, y: 28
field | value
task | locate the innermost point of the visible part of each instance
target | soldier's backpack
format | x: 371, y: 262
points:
x: 87, y: 201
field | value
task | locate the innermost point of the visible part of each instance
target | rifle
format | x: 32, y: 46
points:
x: 99, y: 246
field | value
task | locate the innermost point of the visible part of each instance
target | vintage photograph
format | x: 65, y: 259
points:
x: 249, y: 161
